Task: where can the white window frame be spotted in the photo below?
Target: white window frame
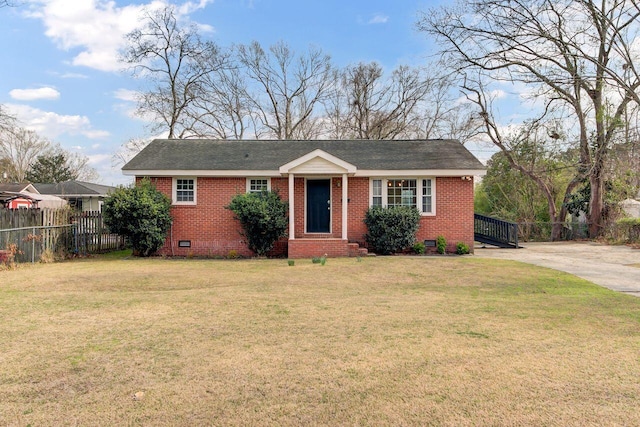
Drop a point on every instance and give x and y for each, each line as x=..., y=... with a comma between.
x=419, y=189
x=254, y=178
x=174, y=191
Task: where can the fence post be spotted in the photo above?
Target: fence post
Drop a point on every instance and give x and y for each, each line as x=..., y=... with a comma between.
x=33, y=245
x=74, y=227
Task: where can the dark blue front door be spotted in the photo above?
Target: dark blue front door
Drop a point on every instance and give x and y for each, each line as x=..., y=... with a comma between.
x=318, y=205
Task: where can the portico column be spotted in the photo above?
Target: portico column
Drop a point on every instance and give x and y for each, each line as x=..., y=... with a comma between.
x=345, y=205
x=292, y=219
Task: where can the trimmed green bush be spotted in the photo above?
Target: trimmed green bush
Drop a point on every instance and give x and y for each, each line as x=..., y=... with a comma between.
x=441, y=245
x=462, y=248
x=263, y=217
x=419, y=248
x=141, y=213
x=391, y=230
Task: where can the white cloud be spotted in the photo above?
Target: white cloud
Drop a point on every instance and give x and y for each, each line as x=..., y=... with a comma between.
x=52, y=125
x=190, y=6
x=128, y=107
x=74, y=76
x=95, y=134
x=126, y=95
x=205, y=28
x=497, y=94
x=34, y=94
x=378, y=19
x=97, y=159
x=96, y=27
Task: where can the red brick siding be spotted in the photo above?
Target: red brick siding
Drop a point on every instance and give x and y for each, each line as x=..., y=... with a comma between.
x=213, y=231
x=208, y=225
x=454, y=214
x=358, y=206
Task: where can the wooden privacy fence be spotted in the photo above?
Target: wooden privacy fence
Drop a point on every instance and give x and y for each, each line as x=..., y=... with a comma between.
x=30, y=233
x=92, y=236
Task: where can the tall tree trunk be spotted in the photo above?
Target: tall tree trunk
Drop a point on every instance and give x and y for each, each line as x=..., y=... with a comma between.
x=596, y=204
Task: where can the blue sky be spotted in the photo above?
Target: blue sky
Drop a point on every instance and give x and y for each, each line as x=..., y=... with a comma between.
x=60, y=74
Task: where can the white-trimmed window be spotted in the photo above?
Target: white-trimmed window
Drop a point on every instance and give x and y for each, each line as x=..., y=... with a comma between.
x=376, y=192
x=427, y=196
x=184, y=191
x=417, y=192
x=257, y=185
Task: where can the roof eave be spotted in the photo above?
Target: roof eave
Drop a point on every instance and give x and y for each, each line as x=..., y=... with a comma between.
x=276, y=173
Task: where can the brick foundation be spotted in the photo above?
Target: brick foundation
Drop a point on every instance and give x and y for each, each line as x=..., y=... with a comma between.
x=309, y=248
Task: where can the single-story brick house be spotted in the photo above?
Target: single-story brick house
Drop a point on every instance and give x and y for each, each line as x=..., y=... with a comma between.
x=333, y=183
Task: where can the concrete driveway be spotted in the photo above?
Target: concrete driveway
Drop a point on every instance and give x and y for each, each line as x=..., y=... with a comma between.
x=613, y=267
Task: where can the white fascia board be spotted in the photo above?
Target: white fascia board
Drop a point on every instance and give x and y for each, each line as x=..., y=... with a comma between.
x=204, y=173
x=348, y=167
x=30, y=189
x=420, y=172
x=274, y=174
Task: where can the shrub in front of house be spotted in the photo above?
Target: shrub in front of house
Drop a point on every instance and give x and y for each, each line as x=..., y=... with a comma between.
x=141, y=213
x=441, y=245
x=391, y=230
x=419, y=248
x=263, y=217
x=462, y=248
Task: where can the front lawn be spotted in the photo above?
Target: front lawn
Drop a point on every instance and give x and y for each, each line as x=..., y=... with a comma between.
x=380, y=341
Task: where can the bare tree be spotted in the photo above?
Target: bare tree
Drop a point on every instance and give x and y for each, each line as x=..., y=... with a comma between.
x=7, y=121
x=379, y=109
x=443, y=114
x=175, y=61
x=222, y=107
x=541, y=139
x=128, y=150
x=20, y=147
x=411, y=103
x=78, y=164
x=287, y=88
x=575, y=56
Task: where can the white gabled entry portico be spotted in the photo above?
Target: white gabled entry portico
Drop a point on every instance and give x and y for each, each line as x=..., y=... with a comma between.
x=320, y=165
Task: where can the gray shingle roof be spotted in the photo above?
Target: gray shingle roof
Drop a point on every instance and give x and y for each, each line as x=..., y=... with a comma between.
x=74, y=188
x=202, y=154
x=15, y=187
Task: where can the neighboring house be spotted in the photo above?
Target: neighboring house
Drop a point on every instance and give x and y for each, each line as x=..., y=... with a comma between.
x=24, y=195
x=83, y=196
x=333, y=184
x=18, y=195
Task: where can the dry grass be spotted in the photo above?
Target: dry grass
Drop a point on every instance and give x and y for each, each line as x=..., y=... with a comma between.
x=385, y=341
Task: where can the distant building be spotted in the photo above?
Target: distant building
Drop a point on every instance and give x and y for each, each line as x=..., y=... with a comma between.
x=83, y=196
x=25, y=195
